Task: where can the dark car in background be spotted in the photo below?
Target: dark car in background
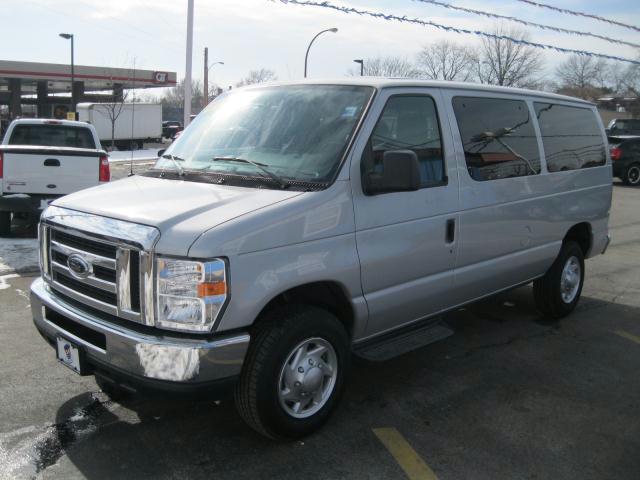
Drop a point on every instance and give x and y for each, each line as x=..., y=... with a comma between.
x=625, y=156
x=170, y=128
x=624, y=126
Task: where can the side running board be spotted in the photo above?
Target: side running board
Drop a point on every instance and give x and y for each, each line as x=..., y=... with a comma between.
x=402, y=341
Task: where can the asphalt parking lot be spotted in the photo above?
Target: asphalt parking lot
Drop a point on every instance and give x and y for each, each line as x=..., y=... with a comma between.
x=509, y=396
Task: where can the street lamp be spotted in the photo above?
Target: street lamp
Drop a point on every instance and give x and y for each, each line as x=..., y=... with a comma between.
x=207, y=67
x=361, y=62
x=69, y=36
x=306, y=57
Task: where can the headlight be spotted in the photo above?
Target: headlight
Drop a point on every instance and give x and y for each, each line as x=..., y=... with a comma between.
x=190, y=294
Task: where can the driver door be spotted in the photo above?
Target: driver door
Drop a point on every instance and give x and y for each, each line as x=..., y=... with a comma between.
x=407, y=241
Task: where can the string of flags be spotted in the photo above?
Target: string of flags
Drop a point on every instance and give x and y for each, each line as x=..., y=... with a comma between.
x=581, y=14
x=429, y=23
x=530, y=24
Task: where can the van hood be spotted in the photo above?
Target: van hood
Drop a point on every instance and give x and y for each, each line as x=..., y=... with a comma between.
x=181, y=210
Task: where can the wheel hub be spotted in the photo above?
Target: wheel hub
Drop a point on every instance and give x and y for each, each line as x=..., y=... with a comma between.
x=307, y=378
x=570, y=280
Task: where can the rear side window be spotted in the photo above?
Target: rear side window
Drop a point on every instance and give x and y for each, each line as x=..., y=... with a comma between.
x=571, y=137
x=52, y=136
x=409, y=122
x=498, y=137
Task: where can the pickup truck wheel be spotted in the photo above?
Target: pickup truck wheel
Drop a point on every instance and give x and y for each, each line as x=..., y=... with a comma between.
x=5, y=224
x=631, y=175
x=557, y=293
x=294, y=372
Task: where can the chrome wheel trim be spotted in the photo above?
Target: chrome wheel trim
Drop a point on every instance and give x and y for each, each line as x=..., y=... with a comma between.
x=570, y=279
x=633, y=175
x=307, y=377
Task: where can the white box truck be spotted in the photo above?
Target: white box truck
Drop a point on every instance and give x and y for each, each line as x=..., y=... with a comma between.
x=135, y=123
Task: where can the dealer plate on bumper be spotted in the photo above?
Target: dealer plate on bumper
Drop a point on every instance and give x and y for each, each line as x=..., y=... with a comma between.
x=69, y=355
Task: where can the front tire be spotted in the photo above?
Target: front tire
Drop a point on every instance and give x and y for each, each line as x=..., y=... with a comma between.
x=294, y=372
x=558, y=292
x=631, y=175
x=5, y=224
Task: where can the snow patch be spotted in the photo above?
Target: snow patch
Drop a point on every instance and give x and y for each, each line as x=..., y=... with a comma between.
x=18, y=255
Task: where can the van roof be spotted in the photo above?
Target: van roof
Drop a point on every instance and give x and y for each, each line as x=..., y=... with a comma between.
x=382, y=82
x=49, y=121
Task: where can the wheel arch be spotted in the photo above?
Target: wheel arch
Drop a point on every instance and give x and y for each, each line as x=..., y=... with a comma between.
x=329, y=295
x=582, y=234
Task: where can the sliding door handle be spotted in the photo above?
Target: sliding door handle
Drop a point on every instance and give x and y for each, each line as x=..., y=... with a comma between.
x=451, y=230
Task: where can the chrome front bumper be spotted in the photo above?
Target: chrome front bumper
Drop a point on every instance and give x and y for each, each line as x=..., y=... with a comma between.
x=165, y=358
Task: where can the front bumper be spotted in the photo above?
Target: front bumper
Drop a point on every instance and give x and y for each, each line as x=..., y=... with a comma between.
x=141, y=360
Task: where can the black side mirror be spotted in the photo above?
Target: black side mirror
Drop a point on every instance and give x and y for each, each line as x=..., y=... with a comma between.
x=400, y=173
x=161, y=152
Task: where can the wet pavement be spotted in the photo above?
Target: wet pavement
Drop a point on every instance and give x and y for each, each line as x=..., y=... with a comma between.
x=510, y=395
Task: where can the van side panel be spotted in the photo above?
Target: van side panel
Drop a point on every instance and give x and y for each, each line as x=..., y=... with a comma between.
x=512, y=228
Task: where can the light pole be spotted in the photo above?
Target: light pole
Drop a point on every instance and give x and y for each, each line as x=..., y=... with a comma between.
x=207, y=67
x=361, y=62
x=187, y=69
x=69, y=36
x=306, y=57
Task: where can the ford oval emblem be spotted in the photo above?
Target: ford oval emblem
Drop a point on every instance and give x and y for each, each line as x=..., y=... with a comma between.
x=78, y=266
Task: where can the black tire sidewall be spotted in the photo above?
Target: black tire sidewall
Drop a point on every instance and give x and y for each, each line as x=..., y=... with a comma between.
x=317, y=323
x=5, y=223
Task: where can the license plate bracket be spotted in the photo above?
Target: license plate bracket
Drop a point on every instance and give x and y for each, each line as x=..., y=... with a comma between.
x=70, y=355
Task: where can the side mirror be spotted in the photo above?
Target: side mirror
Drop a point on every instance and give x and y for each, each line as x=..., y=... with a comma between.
x=400, y=173
x=161, y=152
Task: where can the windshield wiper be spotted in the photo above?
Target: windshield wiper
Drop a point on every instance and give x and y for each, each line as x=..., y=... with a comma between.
x=175, y=159
x=258, y=165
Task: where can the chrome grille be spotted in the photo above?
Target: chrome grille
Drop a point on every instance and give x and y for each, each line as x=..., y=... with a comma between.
x=111, y=284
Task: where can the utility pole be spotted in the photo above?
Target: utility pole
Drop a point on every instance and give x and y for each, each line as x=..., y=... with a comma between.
x=187, y=76
x=205, y=97
x=361, y=62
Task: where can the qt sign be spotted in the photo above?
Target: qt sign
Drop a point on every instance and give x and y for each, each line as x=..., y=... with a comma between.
x=160, y=77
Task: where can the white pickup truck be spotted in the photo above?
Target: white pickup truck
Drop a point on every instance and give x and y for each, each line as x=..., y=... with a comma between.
x=41, y=160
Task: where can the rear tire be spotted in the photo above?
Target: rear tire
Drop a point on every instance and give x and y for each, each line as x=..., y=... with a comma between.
x=5, y=224
x=631, y=175
x=294, y=372
x=558, y=292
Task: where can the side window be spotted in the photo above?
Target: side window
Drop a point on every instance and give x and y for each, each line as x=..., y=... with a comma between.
x=409, y=122
x=571, y=137
x=498, y=137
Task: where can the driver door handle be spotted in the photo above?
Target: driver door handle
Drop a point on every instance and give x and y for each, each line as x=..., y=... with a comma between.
x=451, y=230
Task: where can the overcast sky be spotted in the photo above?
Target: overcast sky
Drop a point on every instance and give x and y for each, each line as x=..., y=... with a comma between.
x=249, y=34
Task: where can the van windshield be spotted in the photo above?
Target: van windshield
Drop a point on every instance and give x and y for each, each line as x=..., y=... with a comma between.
x=296, y=132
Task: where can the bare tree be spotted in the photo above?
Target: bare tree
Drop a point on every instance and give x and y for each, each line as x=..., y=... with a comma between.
x=581, y=72
x=500, y=61
x=388, y=67
x=258, y=76
x=113, y=108
x=446, y=60
x=174, y=97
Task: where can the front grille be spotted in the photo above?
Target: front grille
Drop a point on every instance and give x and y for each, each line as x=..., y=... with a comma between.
x=85, y=289
x=108, y=278
x=84, y=244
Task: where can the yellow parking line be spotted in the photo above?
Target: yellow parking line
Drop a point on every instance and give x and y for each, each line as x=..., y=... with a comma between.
x=628, y=336
x=404, y=454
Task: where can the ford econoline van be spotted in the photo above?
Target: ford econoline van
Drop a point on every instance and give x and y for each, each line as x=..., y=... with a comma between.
x=294, y=225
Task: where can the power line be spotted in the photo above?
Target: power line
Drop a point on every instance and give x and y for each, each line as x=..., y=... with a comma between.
x=428, y=23
x=581, y=14
x=530, y=24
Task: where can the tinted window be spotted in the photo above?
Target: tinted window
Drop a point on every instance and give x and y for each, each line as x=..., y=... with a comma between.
x=52, y=136
x=409, y=123
x=571, y=137
x=498, y=137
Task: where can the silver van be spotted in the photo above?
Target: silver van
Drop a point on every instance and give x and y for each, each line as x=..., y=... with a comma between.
x=294, y=225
